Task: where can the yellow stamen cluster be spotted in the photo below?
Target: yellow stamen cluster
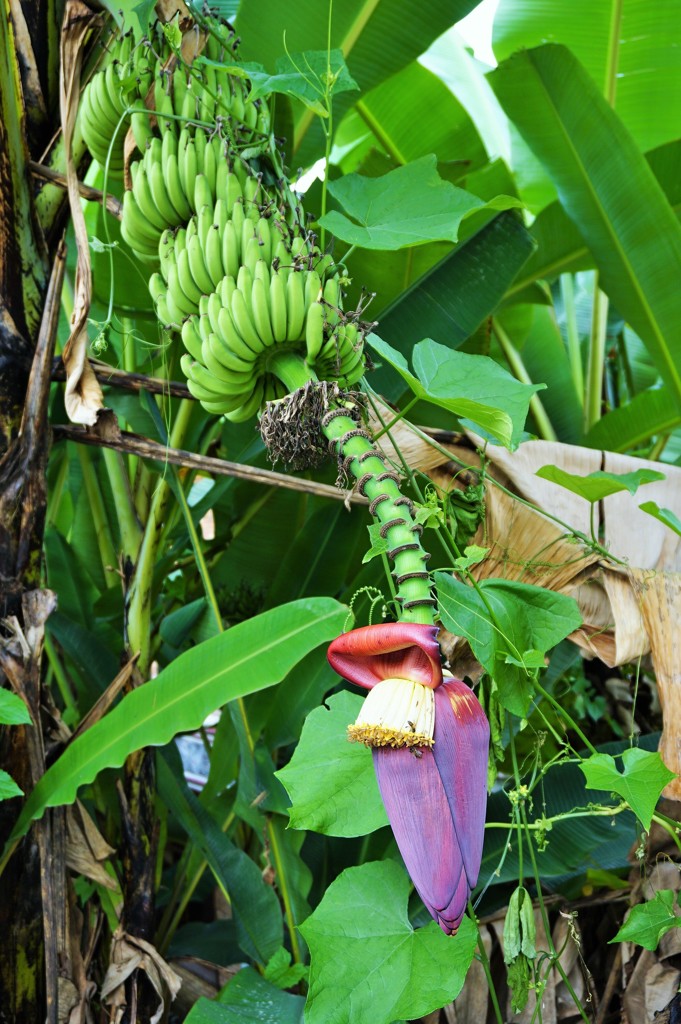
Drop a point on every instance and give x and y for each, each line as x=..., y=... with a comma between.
x=396, y=713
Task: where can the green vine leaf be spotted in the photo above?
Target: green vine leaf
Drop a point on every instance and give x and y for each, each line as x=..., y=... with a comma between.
x=510, y=627
x=411, y=205
x=310, y=77
x=470, y=386
x=664, y=515
x=472, y=555
x=281, y=972
x=379, y=545
x=648, y=922
x=330, y=781
x=430, y=514
x=644, y=777
x=596, y=486
x=368, y=963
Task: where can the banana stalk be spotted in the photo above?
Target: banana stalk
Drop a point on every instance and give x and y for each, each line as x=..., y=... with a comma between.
x=359, y=456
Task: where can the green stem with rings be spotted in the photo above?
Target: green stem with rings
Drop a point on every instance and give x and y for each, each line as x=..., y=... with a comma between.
x=392, y=510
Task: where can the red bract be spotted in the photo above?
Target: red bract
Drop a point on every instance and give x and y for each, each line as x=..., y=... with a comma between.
x=435, y=797
x=370, y=654
x=436, y=803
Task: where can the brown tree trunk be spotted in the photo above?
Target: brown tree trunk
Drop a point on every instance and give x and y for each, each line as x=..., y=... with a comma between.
x=24, y=269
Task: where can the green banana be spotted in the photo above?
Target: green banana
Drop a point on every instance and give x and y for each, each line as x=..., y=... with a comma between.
x=237, y=369
x=187, y=166
x=313, y=287
x=264, y=235
x=191, y=338
x=176, y=194
x=230, y=250
x=261, y=311
x=332, y=300
x=226, y=405
x=145, y=200
x=228, y=333
x=314, y=331
x=231, y=383
x=250, y=254
x=213, y=307
x=210, y=168
x=212, y=253
x=295, y=306
x=278, y=305
x=220, y=215
x=135, y=227
x=159, y=192
x=181, y=300
x=250, y=408
x=177, y=316
x=243, y=322
x=204, y=222
x=203, y=195
x=140, y=122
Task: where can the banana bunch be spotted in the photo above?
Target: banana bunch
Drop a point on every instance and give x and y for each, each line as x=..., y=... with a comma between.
x=104, y=102
x=220, y=240
x=180, y=176
x=233, y=269
x=255, y=336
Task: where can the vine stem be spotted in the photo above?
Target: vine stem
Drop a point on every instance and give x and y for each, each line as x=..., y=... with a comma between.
x=521, y=815
x=484, y=960
x=569, y=530
x=662, y=821
x=555, y=959
x=516, y=816
x=562, y=713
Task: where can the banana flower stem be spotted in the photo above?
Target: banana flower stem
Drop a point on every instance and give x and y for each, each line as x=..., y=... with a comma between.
x=359, y=456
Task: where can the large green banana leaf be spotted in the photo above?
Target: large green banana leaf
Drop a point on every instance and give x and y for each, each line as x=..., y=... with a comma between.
x=377, y=37
x=629, y=47
x=607, y=189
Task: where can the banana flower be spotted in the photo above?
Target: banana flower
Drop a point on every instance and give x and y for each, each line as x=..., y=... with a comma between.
x=429, y=739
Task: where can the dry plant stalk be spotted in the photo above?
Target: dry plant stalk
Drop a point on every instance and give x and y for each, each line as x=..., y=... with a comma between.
x=631, y=607
x=83, y=395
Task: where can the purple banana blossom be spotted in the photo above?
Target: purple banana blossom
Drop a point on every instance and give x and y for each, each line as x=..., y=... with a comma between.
x=434, y=793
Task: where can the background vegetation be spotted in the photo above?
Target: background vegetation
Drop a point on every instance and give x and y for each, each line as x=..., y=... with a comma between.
x=156, y=569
